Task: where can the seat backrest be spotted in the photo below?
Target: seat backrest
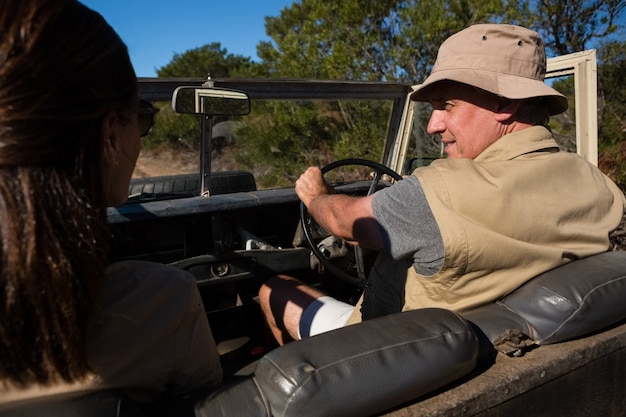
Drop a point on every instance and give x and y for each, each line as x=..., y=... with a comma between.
x=571, y=301
x=382, y=362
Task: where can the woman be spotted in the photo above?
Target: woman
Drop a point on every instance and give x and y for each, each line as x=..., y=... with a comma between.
x=70, y=127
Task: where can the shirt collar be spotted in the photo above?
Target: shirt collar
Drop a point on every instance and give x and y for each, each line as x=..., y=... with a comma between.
x=513, y=145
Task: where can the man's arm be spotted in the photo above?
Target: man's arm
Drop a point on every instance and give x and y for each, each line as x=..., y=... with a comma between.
x=349, y=218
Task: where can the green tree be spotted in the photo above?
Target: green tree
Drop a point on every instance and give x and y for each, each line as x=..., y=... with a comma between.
x=366, y=39
x=568, y=26
x=425, y=24
x=331, y=40
x=612, y=93
x=612, y=110
x=282, y=138
x=208, y=59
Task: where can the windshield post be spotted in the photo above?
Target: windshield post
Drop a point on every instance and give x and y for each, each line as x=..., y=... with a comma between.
x=205, y=154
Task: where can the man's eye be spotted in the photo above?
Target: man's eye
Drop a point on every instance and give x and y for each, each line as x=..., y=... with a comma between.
x=442, y=106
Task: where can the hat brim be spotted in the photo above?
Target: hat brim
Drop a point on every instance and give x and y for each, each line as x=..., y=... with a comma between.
x=504, y=85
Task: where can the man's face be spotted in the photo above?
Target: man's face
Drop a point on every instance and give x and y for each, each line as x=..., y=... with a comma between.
x=465, y=119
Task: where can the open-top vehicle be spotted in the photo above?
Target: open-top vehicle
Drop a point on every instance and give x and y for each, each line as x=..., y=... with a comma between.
x=556, y=346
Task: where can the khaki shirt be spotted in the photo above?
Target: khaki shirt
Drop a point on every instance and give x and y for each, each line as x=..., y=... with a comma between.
x=520, y=208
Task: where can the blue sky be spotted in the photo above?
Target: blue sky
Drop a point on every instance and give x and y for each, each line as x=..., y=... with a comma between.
x=155, y=30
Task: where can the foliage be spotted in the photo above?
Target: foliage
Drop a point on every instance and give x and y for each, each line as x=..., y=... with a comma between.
x=612, y=88
x=425, y=24
x=366, y=40
x=172, y=131
x=612, y=110
x=330, y=40
x=568, y=26
x=399, y=40
x=208, y=59
x=564, y=125
x=281, y=138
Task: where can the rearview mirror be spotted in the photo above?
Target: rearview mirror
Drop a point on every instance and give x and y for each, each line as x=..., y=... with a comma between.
x=210, y=101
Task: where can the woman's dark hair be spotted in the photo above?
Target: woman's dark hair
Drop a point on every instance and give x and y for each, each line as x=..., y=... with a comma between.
x=62, y=69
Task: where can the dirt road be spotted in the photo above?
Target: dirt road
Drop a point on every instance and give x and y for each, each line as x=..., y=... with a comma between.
x=160, y=163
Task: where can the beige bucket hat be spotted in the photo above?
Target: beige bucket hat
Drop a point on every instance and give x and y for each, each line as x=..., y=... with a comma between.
x=506, y=60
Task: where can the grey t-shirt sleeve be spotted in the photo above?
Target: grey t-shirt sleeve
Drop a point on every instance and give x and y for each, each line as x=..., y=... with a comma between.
x=408, y=227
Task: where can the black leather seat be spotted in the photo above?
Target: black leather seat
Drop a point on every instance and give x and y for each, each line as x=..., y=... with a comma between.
x=568, y=302
x=363, y=369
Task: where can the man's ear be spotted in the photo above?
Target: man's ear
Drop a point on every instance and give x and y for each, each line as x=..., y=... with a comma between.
x=506, y=109
x=109, y=137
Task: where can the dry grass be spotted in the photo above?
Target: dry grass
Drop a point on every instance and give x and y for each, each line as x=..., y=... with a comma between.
x=156, y=163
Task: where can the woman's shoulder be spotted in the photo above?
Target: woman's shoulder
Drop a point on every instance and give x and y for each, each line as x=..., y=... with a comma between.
x=144, y=273
x=142, y=287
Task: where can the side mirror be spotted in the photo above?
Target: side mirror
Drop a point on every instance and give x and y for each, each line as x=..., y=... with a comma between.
x=210, y=101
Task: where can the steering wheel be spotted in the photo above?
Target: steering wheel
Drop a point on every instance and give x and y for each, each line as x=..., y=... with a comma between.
x=307, y=221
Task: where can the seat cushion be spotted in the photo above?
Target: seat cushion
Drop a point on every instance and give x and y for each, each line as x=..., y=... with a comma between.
x=383, y=362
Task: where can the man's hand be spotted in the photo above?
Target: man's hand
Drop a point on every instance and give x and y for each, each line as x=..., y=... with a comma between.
x=311, y=185
x=346, y=217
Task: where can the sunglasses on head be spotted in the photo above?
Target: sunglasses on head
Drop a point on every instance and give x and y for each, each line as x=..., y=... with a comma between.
x=145, y=116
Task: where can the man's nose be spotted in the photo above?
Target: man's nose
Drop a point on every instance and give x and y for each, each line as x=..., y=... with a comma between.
x=435, y=123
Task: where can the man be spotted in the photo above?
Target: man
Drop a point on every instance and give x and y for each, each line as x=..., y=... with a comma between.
x=505, y=206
